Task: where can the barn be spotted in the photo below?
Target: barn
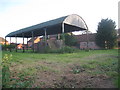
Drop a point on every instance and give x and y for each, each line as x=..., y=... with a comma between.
x=60, y=25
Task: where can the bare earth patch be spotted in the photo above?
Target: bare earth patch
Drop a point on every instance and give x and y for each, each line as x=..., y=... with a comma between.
x=68, y=79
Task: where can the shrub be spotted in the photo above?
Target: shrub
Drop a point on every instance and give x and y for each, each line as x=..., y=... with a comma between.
x=70, y=40
x=68, y=49
x=8, y=47
x=65, y=49
x=5, y=70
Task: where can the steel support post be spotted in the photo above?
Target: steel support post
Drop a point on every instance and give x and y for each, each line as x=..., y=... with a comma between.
x=23, y=44
x=45, y=37
x=27, y=43
x=32, y=41
x=10, y=44
x=16, y=43
x=87, y=40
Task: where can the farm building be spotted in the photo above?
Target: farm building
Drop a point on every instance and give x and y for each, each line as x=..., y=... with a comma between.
x=60, y=25
x=82, y=41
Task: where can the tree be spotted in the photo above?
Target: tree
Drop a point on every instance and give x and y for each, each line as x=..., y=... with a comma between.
x=70, y=40
x=106, y=34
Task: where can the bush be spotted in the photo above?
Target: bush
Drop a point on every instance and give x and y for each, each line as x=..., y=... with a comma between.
x=70, y=40
x=8, y=47
x=65, y=49
x=68, y=49
x=5, y=70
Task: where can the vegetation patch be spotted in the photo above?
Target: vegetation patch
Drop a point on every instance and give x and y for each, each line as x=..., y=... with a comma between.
x=96, y=69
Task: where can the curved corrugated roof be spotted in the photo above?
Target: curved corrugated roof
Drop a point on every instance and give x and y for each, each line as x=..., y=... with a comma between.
x=71, y=23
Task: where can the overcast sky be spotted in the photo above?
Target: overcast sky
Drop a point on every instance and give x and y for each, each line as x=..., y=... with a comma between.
x=18, y=14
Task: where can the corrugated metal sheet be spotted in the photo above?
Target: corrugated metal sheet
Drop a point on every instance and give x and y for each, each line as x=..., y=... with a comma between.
x=72, y=23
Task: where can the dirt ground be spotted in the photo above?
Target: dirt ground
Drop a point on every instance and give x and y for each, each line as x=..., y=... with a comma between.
x=67, y=79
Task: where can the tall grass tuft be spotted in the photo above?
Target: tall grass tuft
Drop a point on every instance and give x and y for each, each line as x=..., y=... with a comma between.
x=5, y=70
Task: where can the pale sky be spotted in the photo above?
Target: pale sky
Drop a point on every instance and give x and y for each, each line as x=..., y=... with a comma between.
x=18, y=14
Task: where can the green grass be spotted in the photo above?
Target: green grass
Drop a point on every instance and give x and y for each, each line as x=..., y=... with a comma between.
x=24, y=66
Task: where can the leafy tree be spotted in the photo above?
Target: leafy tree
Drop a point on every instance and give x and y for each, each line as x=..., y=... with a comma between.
x=70, y=40
x=106, y=34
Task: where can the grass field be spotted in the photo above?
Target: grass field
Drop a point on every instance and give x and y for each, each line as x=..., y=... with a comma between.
x=93, y=69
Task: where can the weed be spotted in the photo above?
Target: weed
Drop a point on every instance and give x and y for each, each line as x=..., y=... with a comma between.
x=77, y=69
x=5, y=70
